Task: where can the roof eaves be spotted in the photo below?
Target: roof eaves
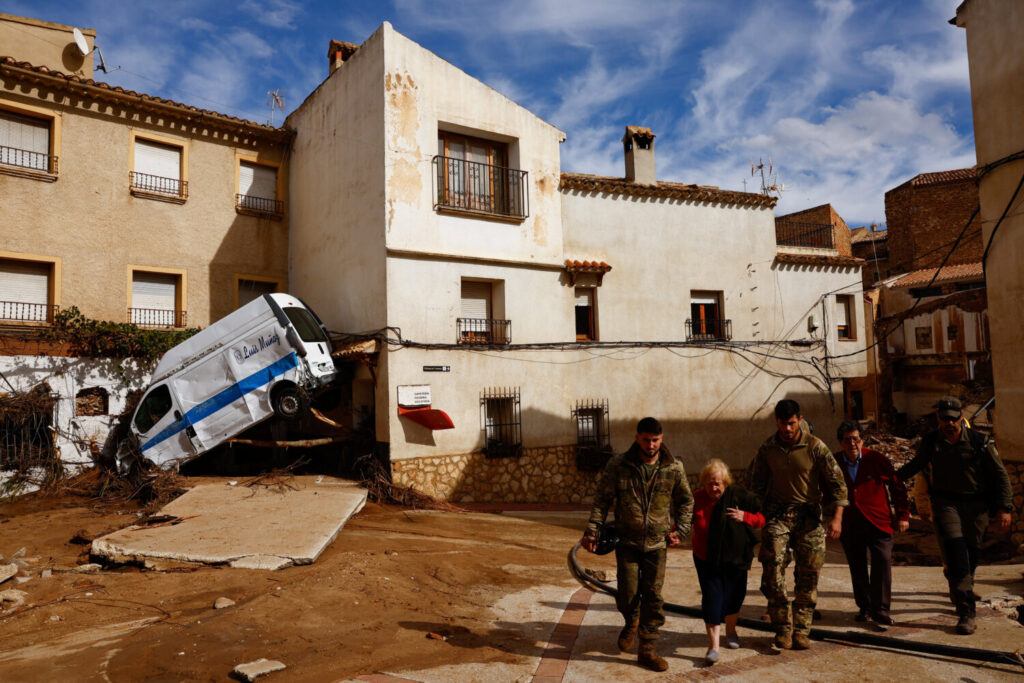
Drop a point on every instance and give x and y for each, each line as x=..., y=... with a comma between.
x=688, y=192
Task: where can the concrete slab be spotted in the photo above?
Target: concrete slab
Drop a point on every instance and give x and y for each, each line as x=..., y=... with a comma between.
x=256, y=527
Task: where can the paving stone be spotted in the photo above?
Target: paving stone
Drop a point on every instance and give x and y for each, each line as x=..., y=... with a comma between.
x=250, y=671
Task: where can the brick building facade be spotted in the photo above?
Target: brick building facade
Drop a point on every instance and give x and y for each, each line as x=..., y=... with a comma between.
x=803, y=227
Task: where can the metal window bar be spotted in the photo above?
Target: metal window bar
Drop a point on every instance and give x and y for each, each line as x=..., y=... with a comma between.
x=273, y=207
x=501, y=414
x=593, y=445
x=23, y=158
x=483, y=331
x=154, y=184
x=26, y=434
x=24, y=312
x=480, y=188
x=157, y=317
x=708, y=329
x=795, y=234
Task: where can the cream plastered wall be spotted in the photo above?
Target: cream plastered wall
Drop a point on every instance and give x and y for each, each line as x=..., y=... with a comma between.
x=44, y=43
x=996, y=65
x=424, y=93
x=89, y=219
x=337, y=189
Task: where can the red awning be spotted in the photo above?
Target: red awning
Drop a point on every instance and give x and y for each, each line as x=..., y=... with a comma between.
x=428, y=417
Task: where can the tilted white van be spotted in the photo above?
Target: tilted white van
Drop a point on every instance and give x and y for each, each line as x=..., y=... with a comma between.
x=267, y=357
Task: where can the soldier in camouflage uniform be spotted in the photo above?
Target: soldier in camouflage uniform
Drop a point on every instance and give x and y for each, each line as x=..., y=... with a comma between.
x=653, y=506
x=794, y=473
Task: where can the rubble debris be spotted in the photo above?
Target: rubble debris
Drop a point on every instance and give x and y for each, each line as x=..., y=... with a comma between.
x=221, y=603
x=46, y=574
x=598, y=574
x=7, y=571
x=436, y=636
x=87, y=568
x=271, y=562
x=82, y=537
x=56, y=618
x=250, y=671
x=11, y=599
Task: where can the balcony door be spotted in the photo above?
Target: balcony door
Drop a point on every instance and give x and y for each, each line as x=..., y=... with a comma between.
x=706, y=314
x=472, y=172
x=24, y=290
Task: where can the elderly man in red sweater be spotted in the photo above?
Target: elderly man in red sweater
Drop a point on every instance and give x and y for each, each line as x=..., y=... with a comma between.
x=871, y=484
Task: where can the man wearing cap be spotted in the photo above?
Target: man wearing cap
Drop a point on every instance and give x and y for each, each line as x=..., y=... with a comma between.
x=647, y=488
x=968, y=484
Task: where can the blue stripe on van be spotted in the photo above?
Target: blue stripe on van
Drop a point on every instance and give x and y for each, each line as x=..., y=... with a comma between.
x=225, y=398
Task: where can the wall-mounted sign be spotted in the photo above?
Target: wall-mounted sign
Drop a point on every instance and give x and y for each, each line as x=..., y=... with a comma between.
x=414, y=395
x=437, y=368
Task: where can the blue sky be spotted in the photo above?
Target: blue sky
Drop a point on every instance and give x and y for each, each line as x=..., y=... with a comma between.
x=848, y=98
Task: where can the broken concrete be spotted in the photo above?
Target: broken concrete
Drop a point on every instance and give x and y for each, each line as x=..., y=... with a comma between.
x=254, y=527
x=221, y=603
x=7, y=571
x=11, y=599
x=250, y=671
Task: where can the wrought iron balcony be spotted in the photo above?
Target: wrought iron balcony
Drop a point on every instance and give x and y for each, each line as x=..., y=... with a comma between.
x=32, y=161
x=708, y=329
x=154, y=185
x=473, y=187
x=29, y=313
x=484, y=331
x=157, y=317
x=259, y=206
x=812, y=235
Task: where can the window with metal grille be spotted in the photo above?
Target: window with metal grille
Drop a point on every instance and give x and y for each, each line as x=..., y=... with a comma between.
x=156, y=299
x=706, y=321
x=593, y=445
x=501, y=413
x=26, y=434
x=158, y=171
x=257, y=190
x=26, y=290
x=25, y=143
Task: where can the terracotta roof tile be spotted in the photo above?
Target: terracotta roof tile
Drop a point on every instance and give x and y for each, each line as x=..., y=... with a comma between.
x=962, y=272
x=587, y=266
x=818, y=259
x=864, y=235
x=585, y=182
x=13, y=66
x=944, y=176
x=639, y=131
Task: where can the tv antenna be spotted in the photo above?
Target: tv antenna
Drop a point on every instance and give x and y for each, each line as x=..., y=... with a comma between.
x=771, y=186
x=274, y=99
x=83, y=47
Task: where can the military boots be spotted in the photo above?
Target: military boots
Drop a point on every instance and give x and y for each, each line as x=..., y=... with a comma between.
x=627, y=636
x=649, y=659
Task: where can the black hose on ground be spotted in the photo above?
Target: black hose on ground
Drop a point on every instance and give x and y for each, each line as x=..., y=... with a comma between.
x=851, y=637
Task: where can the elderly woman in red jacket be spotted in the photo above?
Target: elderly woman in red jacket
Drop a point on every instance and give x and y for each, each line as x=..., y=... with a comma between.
x=724, y=516
x=871, y=484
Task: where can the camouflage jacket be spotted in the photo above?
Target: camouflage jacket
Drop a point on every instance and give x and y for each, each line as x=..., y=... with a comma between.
x=803, y=473
x=644, y=514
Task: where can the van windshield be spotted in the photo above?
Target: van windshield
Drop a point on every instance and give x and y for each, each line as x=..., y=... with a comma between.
x=153, y=407
x=305, y=325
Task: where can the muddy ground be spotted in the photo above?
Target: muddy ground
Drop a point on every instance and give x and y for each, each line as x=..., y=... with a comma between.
x=392, y=577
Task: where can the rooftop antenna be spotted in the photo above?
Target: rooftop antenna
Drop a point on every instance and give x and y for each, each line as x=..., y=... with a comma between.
x=83, y=47
x=771, y=186
x=274, y=99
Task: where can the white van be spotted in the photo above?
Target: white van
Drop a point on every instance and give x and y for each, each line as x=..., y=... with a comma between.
x=265, y=358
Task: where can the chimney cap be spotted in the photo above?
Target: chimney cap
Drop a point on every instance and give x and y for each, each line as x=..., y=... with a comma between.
x=346, y=49
x=642, y=132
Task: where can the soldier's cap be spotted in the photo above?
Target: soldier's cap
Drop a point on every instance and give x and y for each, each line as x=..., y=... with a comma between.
x=949, y=406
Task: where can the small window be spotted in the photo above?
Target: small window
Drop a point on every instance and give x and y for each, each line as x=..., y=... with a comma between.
x=25, y=143
x=156, y=404
x=706, y=322
x=952, y=332
x=923, y=337
x=477, y=322
x=26, y=290
x=586, y=314
x=257, y=190
x=502, y=417
x=158, y=170
x=92, y=401
x=845, y=329
x=157, y=299
x=593, y=446
x=250, y=290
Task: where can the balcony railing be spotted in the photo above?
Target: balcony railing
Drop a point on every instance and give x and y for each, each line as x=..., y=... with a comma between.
x=262, y=206
x=473, y=187
x=33, y=161
x=708, y=329
x=813, y=235
x=484, y=331
x=157, y=185
x=31, y=313
x=157, y=317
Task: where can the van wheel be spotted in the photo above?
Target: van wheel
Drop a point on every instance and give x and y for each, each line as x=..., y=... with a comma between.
x=289, y=402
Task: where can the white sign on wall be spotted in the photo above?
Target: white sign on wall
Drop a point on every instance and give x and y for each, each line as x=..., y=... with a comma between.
x=414, y=395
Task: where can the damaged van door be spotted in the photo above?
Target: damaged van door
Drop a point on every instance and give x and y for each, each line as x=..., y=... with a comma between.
x=266, y=358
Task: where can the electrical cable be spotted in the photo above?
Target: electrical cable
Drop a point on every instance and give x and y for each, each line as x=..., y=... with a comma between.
x=995, y=228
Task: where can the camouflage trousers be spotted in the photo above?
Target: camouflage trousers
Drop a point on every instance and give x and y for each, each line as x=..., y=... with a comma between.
x=795, y=528
x=640, y=577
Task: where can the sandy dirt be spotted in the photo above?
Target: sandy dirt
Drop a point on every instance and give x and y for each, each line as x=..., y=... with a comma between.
x=392, y=577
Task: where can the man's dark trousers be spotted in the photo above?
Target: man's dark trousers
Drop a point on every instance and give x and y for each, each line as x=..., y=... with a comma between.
x=861, y=538
x=960, y=525
x=640, y=576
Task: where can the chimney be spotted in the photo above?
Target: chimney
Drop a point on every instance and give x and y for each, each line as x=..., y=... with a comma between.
x=638, y=143
x=338, y=52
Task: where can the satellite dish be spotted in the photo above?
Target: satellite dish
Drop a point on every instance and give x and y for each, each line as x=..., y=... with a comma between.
x=83, y=46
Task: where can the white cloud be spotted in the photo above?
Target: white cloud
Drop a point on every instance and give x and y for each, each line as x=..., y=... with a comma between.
x=274, y=13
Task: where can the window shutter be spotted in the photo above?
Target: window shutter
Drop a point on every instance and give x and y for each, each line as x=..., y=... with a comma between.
x=163, y=161
x=25, y=282
x=250, y=290
x=703, y=299
x=154, y=290
x=255, y=180
x=24, y=134
x=842, y=314
x=476, y=299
